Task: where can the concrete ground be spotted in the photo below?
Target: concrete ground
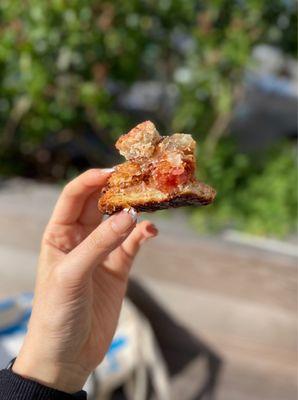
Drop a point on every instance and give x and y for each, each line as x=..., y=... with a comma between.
x=241, y=301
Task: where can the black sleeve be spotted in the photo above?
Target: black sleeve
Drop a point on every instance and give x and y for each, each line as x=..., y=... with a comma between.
x=14, y=387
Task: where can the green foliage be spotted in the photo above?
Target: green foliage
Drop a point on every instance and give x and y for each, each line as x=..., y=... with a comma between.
x=60, y=55
x=58, y=58
x=225, y=32
x=257, y=194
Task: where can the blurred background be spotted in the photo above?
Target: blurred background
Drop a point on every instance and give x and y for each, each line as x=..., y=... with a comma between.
x=76, y=75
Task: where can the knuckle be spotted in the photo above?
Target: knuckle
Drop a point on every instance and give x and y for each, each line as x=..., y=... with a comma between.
x=59, y=275
x=63, y=279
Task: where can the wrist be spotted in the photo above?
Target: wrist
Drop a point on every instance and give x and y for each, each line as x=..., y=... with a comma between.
x=67, y=378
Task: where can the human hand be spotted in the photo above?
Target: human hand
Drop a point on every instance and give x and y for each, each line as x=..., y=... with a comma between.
x=81, y=281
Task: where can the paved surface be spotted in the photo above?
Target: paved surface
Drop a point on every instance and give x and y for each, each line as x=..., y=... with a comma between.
x=241, y=301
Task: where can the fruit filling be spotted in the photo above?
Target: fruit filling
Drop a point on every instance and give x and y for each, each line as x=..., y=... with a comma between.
x=162, y=163
x=167, y=176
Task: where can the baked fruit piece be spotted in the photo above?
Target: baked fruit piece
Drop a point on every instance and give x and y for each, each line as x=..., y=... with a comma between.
x=159, y=173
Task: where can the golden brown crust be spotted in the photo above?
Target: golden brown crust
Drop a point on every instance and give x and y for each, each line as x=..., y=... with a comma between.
x=149, y=199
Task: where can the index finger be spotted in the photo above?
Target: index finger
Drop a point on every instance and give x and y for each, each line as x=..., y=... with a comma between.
x=74, y=195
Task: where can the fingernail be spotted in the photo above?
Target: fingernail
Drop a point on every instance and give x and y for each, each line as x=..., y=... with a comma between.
x=124, y=220
x=152, y=230
x=108, y=170
x=132, y=212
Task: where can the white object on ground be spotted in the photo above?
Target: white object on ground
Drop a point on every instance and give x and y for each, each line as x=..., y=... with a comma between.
x=131, y=358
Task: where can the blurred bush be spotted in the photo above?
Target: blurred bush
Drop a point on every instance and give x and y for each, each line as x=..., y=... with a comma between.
x=257, y=194
x=63, y=65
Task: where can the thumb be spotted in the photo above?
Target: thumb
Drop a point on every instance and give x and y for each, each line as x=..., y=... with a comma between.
x=104, y=239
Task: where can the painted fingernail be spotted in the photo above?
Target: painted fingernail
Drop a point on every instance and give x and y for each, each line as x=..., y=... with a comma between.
x=124, y=220
x=152, y=229
x=108, y=170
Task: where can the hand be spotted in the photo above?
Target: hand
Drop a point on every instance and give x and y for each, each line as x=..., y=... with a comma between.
x=82, y=276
